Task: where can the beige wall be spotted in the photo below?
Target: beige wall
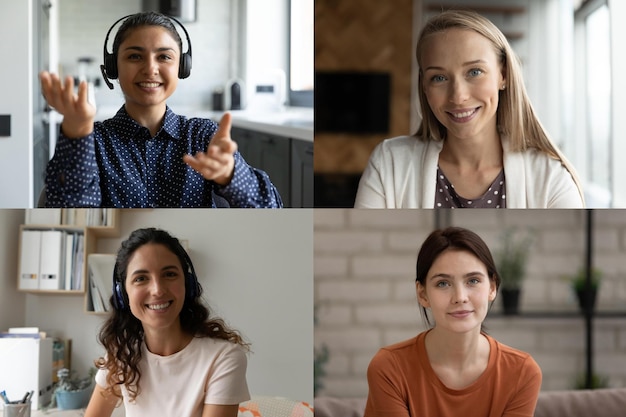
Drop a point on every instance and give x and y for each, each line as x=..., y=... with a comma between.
x=11, y=302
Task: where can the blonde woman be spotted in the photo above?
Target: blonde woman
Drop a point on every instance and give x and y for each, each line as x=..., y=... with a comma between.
x=480, y=143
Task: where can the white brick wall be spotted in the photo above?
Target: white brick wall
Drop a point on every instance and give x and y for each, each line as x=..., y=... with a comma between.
x=365, y=292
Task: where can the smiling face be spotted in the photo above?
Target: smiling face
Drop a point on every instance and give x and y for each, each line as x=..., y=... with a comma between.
x=462, y=78
x=155, y=284
x=458, y=291
x=147, y=62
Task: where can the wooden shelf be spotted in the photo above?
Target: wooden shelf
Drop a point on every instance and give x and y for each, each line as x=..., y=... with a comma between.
x=91, y=235
x=53, y=292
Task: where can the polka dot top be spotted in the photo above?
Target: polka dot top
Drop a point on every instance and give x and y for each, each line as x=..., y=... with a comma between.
x=120, y=165
x=446, y=196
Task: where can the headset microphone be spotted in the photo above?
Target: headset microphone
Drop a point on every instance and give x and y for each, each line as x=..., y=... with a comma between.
x=106, y=79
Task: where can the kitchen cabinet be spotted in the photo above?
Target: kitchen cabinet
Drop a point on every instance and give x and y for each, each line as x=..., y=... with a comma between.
x=301, y=173
x=288, y=162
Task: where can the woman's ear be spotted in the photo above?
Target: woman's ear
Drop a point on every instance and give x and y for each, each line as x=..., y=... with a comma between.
x=422, y=298
x=503, y=80
x=493, y=290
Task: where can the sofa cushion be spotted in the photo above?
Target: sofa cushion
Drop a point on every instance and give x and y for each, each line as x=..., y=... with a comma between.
x=339, y=407
x=583, y=403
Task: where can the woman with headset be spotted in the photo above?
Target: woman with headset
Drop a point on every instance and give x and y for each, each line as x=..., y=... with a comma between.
x=145, y=156
x=165, y=355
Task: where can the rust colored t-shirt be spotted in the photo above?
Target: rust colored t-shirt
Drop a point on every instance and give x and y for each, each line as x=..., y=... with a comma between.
x=402, y=383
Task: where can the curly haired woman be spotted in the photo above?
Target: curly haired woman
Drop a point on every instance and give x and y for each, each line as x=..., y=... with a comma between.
x=165, y=355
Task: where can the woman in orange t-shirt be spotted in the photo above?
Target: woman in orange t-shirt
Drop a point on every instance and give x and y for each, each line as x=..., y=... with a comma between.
x=454, y=368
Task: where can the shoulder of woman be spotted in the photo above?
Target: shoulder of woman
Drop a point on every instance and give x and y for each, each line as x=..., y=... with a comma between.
x=216, y=344
x=514, y=359
x=533, y=157
x=403, y=147
x=406, y=348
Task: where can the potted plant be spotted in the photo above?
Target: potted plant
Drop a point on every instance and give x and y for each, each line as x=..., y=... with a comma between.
x=72, y=393
x=320, y=358
x=598, y=381
x=586, y=300
x=511, y=261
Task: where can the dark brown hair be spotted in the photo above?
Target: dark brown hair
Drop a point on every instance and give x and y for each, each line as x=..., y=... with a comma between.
x=122, y=334
x=457, y=238
x=145, y=19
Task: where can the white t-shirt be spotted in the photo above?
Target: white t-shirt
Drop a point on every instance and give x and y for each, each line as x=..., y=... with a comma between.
x=206, y=371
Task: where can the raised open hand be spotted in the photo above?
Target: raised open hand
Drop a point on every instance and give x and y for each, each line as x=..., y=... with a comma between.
x=218, y=162
x=78, y=113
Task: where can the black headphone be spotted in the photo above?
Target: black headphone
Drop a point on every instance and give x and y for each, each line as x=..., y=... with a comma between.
x=192, y=286
x=109, y=69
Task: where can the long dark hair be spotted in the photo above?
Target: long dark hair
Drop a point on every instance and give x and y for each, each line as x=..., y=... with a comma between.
x=122, y=334
x=453, y=238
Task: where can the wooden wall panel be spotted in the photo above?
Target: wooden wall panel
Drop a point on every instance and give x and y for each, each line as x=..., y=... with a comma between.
x=364, y=35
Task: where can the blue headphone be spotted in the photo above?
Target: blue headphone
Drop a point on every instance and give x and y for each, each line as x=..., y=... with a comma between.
x=192, y=286
x=109, y=69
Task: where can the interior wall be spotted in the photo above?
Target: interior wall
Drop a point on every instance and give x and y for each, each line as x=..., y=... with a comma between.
x=15, y=101
x=364, y=35
x=12, y=312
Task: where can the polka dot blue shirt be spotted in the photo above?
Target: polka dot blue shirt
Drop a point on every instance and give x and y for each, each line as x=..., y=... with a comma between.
x=120, y=165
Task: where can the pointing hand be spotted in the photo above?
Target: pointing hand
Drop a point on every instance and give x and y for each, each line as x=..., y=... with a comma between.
x=217, y=163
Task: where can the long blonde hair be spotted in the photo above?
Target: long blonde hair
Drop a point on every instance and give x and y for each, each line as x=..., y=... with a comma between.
x=515, y=117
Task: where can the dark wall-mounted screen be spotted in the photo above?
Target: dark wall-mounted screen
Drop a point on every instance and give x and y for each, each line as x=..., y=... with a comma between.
x=352, y=102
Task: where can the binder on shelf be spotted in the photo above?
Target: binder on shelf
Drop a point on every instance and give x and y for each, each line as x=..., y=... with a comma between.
x=51, y=262
x=70, y=239
x=29, y=260
x=100, y=272
x=77, y=276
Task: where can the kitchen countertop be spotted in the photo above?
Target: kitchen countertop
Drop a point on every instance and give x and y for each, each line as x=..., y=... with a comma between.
x=293, y=122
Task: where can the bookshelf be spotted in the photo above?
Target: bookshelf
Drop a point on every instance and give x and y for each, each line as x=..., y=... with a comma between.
x=81, y=224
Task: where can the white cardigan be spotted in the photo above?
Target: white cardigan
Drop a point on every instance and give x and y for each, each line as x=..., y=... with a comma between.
x=402, y=172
